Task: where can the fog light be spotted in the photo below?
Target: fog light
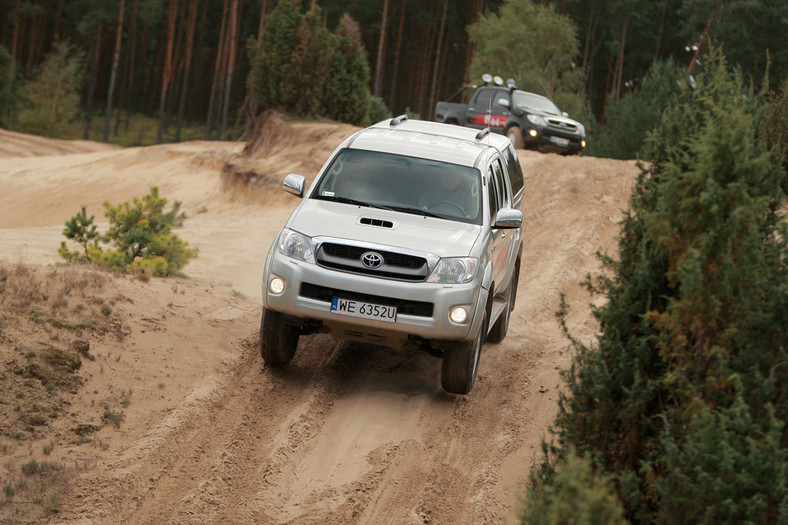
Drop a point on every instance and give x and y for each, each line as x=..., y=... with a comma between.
x=276, y=285
x=458, y=314
x=583, y=143
x=533, y=132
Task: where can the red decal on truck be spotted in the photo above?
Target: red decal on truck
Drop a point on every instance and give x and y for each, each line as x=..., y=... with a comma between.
x=494, y=121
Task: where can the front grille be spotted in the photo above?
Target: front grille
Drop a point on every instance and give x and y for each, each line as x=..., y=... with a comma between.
x=404, y=307
x=395, y=265
x=560, y=124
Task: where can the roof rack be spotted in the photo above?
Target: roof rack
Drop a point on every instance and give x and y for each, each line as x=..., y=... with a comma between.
x=396, y=121
x=483, y=133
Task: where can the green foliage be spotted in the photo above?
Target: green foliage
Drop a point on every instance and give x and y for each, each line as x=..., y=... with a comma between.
x=682, y=399
x=52, y=97
x=140, y=233
x=304, y=69
x=378, y=110
x=628, y=121
x=571, y=493
x=9, y=88
x=530, y=43
x=777, y=124
x=80, y=229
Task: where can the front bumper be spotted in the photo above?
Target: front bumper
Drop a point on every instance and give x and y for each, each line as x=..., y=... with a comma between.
x=548, y=138
x=423, y=308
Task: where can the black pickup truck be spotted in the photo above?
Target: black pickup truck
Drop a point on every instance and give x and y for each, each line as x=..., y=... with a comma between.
x=529, y=120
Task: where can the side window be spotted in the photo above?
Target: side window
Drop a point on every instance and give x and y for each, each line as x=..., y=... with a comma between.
x=483, y=99
x=515, y=171
x=492, y=193
x=502, y=189
x=501, y=96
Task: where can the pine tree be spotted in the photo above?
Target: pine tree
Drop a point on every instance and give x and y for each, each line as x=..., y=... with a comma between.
x=682, y=399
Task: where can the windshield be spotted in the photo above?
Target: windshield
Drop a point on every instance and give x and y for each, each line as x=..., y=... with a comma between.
x=525, y=100
x=403, y=184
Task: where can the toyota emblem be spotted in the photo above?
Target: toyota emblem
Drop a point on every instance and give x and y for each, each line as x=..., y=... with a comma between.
x=372, y=260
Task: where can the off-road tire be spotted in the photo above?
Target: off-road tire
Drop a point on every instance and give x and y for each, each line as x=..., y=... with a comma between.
x=461, y=362
x=278, y=341
x=515, y=136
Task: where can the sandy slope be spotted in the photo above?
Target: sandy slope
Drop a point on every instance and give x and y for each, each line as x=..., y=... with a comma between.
x=348, y=433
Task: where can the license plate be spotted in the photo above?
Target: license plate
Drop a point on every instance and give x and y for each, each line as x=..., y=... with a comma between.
x=364, y=310
x=559, y=141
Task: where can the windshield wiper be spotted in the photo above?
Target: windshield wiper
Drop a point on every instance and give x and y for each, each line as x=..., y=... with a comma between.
x=347, y=200
x=402, y=209
x=414, y=211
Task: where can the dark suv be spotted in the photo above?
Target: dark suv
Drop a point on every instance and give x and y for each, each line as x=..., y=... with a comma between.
x=528, y=119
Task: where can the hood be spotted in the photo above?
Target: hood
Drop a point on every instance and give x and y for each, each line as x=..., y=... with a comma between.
x=319, y=218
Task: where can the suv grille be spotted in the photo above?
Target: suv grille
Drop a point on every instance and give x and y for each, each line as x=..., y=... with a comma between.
x=560, y=124
x=404, y=307
x=394, y=265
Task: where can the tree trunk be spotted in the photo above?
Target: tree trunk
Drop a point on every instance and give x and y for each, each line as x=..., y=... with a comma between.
x=131, y=45
x=434, y=89
x=397, y=52
x=92, y=83
x=702, y=38
x=617, y=79
x=381, y=46
x=233, y=45
x=261, y=24
x=166, y=76
x=114, y=73
x=477, y=8
x=190, y=24
x=216, y=72
x=15, y=34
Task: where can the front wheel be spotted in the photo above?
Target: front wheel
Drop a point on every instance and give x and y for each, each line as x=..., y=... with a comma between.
x=278, y=341
x=461, y=363
x=515, y=136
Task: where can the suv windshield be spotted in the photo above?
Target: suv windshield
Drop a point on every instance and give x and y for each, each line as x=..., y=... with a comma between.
x=525, y=100
x=404, y=184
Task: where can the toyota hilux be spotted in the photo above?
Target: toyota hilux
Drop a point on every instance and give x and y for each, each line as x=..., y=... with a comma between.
x=410, y=235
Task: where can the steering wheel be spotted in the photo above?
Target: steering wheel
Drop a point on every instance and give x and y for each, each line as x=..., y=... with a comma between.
x=454, y=205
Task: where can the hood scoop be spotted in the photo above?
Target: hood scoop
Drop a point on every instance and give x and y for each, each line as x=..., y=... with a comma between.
x=381, y=223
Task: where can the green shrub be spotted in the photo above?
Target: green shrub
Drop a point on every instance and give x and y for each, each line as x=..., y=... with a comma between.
x=306, y=70
x=571, y=493
x=681, y=400
x=53, y=96
x=628, y=120
x=378, y=110
x=140, y=235
x=9, y=88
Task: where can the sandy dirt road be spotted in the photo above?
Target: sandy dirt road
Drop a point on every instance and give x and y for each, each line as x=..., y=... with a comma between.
x=348, y=433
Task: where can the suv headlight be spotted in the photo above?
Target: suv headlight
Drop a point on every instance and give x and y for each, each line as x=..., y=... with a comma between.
x=537, y=120
x=296, y=245
x=454, y=270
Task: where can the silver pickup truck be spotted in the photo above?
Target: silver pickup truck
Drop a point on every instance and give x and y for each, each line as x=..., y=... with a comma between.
x=410, y=235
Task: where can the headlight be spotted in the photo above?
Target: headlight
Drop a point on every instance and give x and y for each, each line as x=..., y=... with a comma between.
x=537, y=120
x=454, y=270
x=296, y=245
x=581, y=129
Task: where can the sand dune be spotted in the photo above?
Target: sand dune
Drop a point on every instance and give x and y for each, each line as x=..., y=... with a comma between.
x=348, y=433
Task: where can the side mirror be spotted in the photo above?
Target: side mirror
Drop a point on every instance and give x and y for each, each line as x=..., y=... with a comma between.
x=503, y=102
x=564, y=113
x=294, y=184
x=508, y=218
